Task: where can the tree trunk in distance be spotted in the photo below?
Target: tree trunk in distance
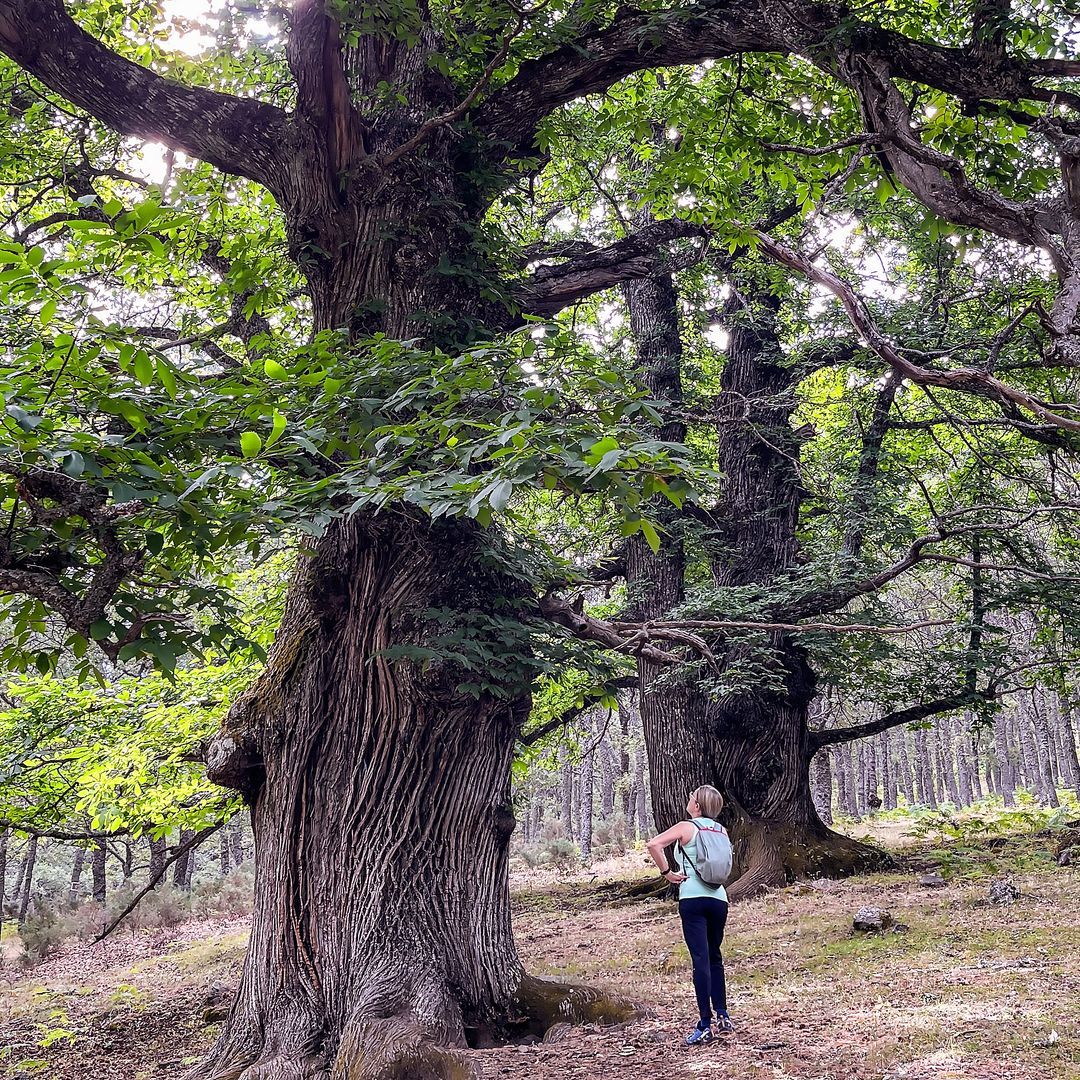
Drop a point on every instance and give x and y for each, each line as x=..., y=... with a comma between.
x=626, y=783
x=608, y=763
x=873, y=796
x=641, y=812
x=823, y=785
x=128, y=860
x=180, y=867
x=97, y=865
x=888, y=770
x=75, y=883
x=16, y=888
x=157, y=860
x=1043, y=756
x=566, y=808
x=849, y=756
x=903, y=765
x=925, y=770
x=1069, y=766
x=1068, y=743
x=1029, y=758
x=585, y=790
x=235, y=829
x=963, y=770
x=29, y=861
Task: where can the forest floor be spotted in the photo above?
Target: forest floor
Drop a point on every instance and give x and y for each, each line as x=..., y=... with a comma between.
x=969, y=991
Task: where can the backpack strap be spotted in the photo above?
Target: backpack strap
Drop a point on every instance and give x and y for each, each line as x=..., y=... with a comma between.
x=682, y=850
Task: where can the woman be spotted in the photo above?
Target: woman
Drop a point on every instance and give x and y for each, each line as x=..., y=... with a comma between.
x=702, y=910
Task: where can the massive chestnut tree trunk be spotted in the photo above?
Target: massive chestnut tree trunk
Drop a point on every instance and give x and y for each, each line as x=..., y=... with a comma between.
x=381, y=810
x=381, y=793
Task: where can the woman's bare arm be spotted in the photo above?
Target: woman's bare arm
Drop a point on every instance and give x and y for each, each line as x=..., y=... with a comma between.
x=682, y=833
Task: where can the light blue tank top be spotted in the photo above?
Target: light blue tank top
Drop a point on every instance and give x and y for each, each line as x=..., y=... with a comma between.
x=693, y=886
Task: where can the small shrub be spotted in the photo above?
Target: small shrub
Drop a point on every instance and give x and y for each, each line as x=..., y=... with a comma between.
x=86, y=921
x=611, y=838
x=231, y=895
x=164, y=906
x=532, y=855
x=42, y=933
x=562, y=853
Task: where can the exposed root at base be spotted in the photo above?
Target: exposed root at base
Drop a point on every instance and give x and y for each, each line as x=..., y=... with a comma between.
x=390, y=1049
x=396, y=1049
x=650, y=889
x=547, y=1002
x=399, y=1048
x=773, y=854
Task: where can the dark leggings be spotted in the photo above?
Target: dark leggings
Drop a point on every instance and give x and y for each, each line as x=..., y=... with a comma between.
x=703, y=919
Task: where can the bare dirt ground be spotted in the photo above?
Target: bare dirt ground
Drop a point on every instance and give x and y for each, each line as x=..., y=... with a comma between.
x=970, y=991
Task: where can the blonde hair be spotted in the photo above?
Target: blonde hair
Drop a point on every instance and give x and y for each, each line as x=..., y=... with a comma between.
x=710, y=800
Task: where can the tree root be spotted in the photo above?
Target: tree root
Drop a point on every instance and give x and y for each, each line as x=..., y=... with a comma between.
x=396, y=1049
x=546, y=1002
x=402, y=1047
x=652, y=888
x=772, y=854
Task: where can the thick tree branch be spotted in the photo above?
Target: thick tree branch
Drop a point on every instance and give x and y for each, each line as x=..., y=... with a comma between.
x=911, y=715
x=590, y=269
x=774, y=627
x=50, y=497
x=603, y=633
x=323, y=97
x=936, y=179
x=238, y=135
x=634, y=40
x=829, y=35
x=965, y=380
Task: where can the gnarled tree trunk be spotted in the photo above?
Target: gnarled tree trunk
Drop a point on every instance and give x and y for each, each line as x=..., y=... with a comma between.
x=753, y=743
x=381, y=794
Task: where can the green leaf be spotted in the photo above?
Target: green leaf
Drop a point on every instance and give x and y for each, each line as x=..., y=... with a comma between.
x=144, y=367
x=74, y=464
x=274, y=370
x=166, y=377
x=250, y=444
x=276, y=429
x=595, y=454
x=652, y=537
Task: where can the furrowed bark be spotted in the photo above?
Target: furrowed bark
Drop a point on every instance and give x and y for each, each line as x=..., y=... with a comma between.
x=382, y=815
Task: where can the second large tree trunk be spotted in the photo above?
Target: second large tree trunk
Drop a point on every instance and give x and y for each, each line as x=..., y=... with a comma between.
x=753, y=741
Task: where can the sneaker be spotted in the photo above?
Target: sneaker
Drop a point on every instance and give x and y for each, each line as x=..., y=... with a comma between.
x=724, y=1024
x=699, y=1036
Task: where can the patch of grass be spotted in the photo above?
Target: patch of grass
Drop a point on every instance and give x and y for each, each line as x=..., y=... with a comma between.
x=200, y=957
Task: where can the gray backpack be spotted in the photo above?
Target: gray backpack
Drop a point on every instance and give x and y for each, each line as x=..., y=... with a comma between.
x=713, y=862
